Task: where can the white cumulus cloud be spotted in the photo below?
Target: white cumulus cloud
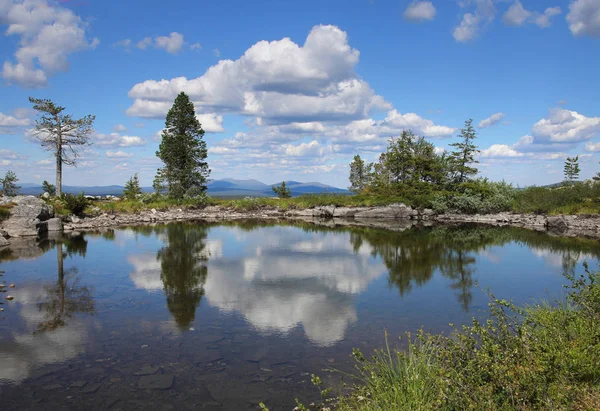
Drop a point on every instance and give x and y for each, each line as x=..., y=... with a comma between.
x=566, y=126
x=584, y=18
x=117, y=140
x=118, y=154
x=47, y=33
x=473, y=22
x=500, y=150
x=171, y=43
x=593, y=147
x=279, y=81
x=491, y=120
x=211, y=122
x=517, y=15
x=419, y=11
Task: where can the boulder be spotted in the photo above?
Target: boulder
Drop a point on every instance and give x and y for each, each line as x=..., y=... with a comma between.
x=3, y=242
x=26, y=215
x=324, y=211
x=556, y=223
x=393, y=211
x=51, y=225
x=46, y=196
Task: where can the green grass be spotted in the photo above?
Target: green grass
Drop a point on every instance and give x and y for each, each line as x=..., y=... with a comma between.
x=5, y=211
x=479, y=196
x=540, y=357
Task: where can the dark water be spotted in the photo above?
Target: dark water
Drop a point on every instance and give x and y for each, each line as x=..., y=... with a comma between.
x=194, y=316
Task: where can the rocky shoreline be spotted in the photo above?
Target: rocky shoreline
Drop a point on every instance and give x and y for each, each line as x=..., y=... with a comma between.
x=33, y=217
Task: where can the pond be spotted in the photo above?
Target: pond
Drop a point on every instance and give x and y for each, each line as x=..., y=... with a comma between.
x=224, y=315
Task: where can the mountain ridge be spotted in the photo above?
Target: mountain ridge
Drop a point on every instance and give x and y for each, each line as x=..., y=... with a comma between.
x=227, y=187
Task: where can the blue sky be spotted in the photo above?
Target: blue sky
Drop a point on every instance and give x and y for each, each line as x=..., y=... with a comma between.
x=292, y=90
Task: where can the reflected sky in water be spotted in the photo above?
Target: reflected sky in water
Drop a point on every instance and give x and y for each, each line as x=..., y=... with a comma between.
x=97, y=297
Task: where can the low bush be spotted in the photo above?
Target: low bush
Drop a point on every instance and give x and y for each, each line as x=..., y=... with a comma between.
x=543, y=356
x=4, y=212
x=76, y=204
x=574, y=198
x=477, y=196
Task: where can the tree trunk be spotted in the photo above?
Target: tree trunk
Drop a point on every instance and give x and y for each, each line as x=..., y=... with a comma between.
x=59, y=166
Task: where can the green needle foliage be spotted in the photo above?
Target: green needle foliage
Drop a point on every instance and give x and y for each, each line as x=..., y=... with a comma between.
x=132, y=188
x=49, y=188
x=572, y=169
x=282, y=191
x=183, y=151
x=9, y=186
x=464, y=155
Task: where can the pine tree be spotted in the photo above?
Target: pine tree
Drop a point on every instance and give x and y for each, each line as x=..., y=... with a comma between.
x=49, y=188
x=9, y=188
x=572, y=169
x=132, y=188
x=360, y=174
x=282, y=191
x=183, y=151
x=465, y=153
x=61, y=134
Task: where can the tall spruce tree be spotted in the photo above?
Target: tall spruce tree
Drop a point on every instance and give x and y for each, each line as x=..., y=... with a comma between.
x=183, y=151
x=61, y=134
x=465, y=153
x=360, y=174
x=9, y=186
x=572, y=169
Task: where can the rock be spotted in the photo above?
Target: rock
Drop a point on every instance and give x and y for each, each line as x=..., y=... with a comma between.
x=46, y=196
x=556, y=223
x=323, y=212
x=153, y=211
x=25, y=216
x=12, y=286
x=91, y=388
x=9, y=298
x=74, y=219
x=51, y=225
x=78, y=384
x=3, y=233
x=156, y=382
x=51, y=387
x=4, y=242
x=147, y=370
x=393, y=211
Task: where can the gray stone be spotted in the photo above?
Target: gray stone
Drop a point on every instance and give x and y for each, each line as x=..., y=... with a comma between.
x=51, y=387
x=46, y=196
x=25, y=216
x=147, y=370
x=74, y=219
x=394, y=211
x=556, y=223
x=156, y=382
x=78, y=384
x=3, y=233
x=4, y=242
x=91, y=388
x=51, y=225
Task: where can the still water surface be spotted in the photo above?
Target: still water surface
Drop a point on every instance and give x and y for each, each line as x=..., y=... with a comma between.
x=198, y=315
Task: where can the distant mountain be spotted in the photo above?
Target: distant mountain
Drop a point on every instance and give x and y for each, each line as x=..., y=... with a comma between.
x=228, y=187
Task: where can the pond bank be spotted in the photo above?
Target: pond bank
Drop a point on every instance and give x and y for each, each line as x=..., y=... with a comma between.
x=31, y=216
x=395, y=217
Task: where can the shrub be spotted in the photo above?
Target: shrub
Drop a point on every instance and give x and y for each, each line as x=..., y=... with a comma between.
x=543, y=356
x=49, y=188
x=477, y=196
x=76, y=204
x=4, y=213
x=569, y=199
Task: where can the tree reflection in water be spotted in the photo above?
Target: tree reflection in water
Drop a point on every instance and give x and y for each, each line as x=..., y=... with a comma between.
x=183, y=269
x=67, y=296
